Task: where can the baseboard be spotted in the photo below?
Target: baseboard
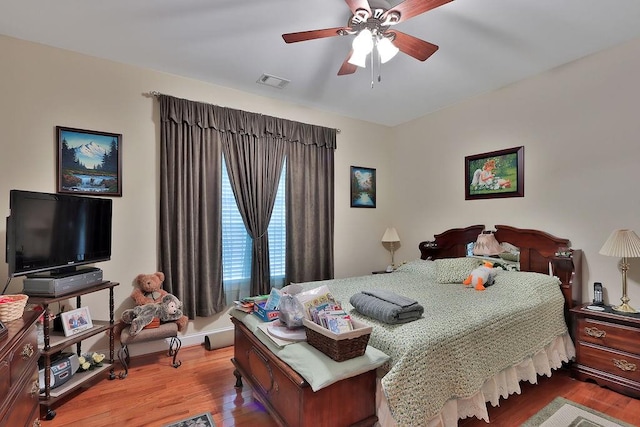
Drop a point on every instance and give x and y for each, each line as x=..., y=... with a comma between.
x=218, y=338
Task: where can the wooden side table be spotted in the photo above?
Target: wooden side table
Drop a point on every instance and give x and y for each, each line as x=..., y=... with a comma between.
x=607, y=349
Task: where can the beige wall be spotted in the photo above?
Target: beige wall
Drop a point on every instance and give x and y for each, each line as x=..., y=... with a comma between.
x=578, y=124
x=580, y=129
x=43, y=87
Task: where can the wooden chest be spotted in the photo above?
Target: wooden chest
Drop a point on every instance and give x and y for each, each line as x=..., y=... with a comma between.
x=290, y=399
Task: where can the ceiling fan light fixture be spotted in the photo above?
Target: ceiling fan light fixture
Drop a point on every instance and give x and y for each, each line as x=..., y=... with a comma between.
x=359, y=59
x=386, y=49
x=362, y=46
x=363, y=43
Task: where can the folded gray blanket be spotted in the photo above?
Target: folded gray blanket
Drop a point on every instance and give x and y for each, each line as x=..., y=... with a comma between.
x=386, y=306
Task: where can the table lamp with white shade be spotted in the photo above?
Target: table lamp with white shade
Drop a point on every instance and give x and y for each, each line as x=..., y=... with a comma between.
x=623, y=244
x=391, y=237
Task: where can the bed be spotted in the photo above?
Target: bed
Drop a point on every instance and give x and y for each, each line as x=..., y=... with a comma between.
x=470, y=347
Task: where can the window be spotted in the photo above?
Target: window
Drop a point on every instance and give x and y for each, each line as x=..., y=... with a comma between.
x=236, y=243
x=278, y=234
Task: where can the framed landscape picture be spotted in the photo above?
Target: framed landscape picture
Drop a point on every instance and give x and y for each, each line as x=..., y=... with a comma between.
x=89, y=162
x=363, y=187
x=495, y=174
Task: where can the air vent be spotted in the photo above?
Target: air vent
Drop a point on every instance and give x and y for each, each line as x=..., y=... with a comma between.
x=273, y=81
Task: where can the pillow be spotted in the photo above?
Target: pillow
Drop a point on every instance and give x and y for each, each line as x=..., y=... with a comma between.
x=508, y=256
x=512, y=253
x=454, y=270
x=419, y=266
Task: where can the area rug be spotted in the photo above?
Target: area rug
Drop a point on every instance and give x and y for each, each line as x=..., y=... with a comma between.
x=565, y=413
x=201, y=420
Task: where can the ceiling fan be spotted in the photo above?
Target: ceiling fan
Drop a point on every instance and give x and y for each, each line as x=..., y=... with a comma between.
x=373, y=22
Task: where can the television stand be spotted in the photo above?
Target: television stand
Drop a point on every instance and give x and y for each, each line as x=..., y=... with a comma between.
x=54, y=343
x=54, y=286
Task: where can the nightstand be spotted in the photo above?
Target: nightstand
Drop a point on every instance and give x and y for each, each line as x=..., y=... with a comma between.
x=607, y=349
x=381, y=272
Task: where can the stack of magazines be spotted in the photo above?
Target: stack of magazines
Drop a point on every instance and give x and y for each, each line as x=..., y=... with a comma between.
x=332, y=317
x=246, y=304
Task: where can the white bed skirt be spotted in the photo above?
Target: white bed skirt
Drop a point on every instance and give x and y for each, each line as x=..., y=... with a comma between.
x=502, y=385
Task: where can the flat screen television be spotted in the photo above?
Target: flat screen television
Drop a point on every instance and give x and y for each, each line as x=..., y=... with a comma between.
x=52, y=234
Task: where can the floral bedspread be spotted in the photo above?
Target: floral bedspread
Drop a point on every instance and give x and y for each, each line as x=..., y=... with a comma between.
x=465, y=336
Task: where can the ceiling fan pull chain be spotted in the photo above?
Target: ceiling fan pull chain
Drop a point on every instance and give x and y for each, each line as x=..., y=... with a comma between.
x=372, y=70
x=379, y=68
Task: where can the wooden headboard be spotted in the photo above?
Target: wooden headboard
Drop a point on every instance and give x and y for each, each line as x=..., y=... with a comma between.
x=537, y=250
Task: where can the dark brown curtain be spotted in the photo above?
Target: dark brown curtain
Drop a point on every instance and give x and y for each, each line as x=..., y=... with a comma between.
x=310, y=180
x=190, y=214
x=193, y=137
x=254, y=166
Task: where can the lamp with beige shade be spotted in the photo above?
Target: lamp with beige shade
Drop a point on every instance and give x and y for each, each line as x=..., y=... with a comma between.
x=623, y=244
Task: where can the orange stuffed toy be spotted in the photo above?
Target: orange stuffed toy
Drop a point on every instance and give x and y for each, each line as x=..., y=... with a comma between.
x=481, y=276
x=149, y=291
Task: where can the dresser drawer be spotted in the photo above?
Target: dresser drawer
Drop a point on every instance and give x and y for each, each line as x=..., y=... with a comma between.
x=614, y=336
x=4, y=378
x=26, y=404
x=24, y=355
x=621, y=364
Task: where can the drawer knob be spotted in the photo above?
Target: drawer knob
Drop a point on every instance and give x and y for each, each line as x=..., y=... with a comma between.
x=35, y=388
x=595, y=332
x=624, y=365
x=27, y=351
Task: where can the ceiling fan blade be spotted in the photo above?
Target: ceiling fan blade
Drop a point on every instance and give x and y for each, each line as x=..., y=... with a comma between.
x=347, y=68
x=413, y=46
x=311, y=35
x=358, y=4
x=410, y=8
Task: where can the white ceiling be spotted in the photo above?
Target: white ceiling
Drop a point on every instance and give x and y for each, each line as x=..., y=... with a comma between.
x=484, y=45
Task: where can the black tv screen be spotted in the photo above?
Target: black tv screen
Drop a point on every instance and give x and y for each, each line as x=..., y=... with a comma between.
x=56, y=232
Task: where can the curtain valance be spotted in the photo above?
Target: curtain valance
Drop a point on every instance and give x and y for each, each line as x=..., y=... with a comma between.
x=223, y=119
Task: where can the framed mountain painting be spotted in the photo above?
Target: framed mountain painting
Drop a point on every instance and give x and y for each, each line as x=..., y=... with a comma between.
x=89, y=162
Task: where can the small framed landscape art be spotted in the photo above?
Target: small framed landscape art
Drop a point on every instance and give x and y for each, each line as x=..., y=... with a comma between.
x=363, y=187
x=495, y=174
x=89, y=162
x=75, y=321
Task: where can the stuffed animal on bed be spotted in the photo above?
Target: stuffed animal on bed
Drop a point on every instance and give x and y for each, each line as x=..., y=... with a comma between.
x=482, y=276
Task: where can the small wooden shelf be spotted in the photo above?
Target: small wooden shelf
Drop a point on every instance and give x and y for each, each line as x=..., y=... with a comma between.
x=55, y=342
x=58, y=342
x=76, y=381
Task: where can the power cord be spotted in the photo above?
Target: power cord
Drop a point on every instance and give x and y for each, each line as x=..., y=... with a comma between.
x=6, y=286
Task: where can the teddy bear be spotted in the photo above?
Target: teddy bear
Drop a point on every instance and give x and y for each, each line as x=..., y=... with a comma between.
x=148, y=290
x=169, y=309
x=482, y=276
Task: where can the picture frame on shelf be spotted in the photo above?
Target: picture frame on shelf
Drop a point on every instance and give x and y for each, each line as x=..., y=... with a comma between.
x=496, y=174
x=76, y=321
x=363, y=187
x=89, y=162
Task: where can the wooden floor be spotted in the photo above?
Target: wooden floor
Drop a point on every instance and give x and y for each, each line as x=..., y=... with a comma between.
x=155, y=394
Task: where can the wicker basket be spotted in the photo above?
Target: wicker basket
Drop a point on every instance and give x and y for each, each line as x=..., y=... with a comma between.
x=12, y=306
x=339, y=347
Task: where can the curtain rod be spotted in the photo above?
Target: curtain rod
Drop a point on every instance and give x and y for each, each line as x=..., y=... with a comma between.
x=156, y=94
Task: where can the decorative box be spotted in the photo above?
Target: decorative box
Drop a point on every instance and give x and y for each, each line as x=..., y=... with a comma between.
x=263, y=313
